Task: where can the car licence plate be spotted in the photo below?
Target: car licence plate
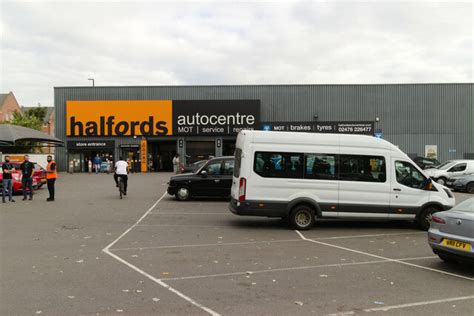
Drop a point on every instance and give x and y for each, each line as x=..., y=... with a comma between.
x=457, y=244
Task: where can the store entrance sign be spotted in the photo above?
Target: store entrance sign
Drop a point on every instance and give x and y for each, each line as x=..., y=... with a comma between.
x=90, y=145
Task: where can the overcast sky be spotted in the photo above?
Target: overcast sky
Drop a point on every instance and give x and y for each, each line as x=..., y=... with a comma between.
x=63, y=43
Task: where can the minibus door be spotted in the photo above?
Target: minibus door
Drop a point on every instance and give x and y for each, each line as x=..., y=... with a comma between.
x=407, y=193
x=364, y=188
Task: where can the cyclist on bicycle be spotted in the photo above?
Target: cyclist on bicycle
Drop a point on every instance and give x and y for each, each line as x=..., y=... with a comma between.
x=121, y=170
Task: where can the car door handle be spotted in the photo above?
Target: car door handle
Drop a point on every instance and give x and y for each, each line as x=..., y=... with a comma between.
x=217, y=180
x=397, y=189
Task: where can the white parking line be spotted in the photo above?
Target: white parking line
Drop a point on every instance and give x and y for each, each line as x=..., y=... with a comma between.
x=192, y=213
x=385, y=258
x=252, y=242
x=202, y=276
x=177, y=225
x=272, y=270
x=209, y=245
x=149, y=276
x=390, y=307
x=367, y=236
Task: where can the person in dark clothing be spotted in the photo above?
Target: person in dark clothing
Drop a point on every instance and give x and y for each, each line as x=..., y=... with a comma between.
x=27, y=169
x=7, y=184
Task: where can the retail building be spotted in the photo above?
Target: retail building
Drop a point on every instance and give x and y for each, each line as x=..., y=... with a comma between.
x=150, y=124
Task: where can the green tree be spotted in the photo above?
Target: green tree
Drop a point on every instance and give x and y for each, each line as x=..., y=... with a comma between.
x=26, y=120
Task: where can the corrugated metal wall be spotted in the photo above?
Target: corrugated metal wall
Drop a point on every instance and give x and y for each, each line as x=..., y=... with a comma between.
x=411, y=115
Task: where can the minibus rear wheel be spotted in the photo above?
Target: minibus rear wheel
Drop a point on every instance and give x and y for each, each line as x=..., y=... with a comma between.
x=302, y=217
x=423, y=220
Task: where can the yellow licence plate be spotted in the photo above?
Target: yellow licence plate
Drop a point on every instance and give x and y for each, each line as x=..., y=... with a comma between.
x=457, y=244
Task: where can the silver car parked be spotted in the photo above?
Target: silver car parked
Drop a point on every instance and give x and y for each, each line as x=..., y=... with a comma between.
x=451, y=233
x=464, y=184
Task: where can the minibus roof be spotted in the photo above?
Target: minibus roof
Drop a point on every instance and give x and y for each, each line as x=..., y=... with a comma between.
x=301, y=138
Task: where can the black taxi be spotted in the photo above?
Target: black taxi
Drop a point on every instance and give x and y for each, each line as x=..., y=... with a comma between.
x=214, y=179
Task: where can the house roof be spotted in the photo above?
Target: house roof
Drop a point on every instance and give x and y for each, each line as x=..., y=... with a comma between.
x=49, y=111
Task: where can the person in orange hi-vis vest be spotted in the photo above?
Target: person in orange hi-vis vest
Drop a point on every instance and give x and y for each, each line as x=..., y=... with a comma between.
x=51, y=176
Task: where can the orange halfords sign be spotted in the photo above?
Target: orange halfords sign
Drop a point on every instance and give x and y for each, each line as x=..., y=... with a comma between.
x=119, y=118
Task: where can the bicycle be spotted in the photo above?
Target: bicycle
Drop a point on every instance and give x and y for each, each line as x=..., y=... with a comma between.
x=121, y=187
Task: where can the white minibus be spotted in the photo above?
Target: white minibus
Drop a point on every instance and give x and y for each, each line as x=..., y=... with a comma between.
x=304, y=176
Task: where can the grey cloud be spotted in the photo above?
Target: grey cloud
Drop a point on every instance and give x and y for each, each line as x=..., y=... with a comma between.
x=47, y=44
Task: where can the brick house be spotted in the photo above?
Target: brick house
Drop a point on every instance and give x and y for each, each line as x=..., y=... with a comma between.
x=8, y=106
x=48, y=123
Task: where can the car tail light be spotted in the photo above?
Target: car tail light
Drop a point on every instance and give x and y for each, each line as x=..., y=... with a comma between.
x=438, y=220
x=242, y=187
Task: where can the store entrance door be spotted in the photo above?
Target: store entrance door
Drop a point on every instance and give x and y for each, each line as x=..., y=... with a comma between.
x=161, y=154
x=131, y=156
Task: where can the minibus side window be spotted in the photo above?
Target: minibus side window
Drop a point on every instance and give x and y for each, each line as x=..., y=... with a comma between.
x=408, y=175
x=238, y=162
x=320, y=166
x=278, y=165
x=362, y=168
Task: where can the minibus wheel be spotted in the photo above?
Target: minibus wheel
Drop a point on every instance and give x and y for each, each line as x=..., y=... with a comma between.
x=302, y=217
x=183, y=194
x=423, y=219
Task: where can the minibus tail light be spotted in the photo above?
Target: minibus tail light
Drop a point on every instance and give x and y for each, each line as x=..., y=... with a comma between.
x=242, y=187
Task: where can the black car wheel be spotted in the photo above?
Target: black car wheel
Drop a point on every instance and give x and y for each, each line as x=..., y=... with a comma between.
x=470, y=187
x=302, y=217
x=423, y=220
x=183, y=194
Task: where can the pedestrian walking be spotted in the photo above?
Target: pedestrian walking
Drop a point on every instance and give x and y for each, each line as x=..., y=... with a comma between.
x=27, y=169
x=7, y=183
x=97, y=162
x=51, y=176
x=176, y=164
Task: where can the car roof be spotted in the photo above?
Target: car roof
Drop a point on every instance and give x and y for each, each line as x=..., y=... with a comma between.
x=222, y=157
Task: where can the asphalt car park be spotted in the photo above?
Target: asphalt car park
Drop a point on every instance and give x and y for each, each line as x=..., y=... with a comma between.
x=150, y=254
x=226, y=264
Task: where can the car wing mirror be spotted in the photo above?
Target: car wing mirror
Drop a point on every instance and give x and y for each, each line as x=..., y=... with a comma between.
x=204, y=173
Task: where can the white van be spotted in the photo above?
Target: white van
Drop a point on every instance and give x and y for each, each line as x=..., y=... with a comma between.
x=451, y=170
x=301, y=176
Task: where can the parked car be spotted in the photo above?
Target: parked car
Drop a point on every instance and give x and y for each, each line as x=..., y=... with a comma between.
x=451, y=234
x=192, y=167
x=213, y=179
x=426, y=163
x=39, y=177
x=464, y=184
x=451, y=169
x=303, y=176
